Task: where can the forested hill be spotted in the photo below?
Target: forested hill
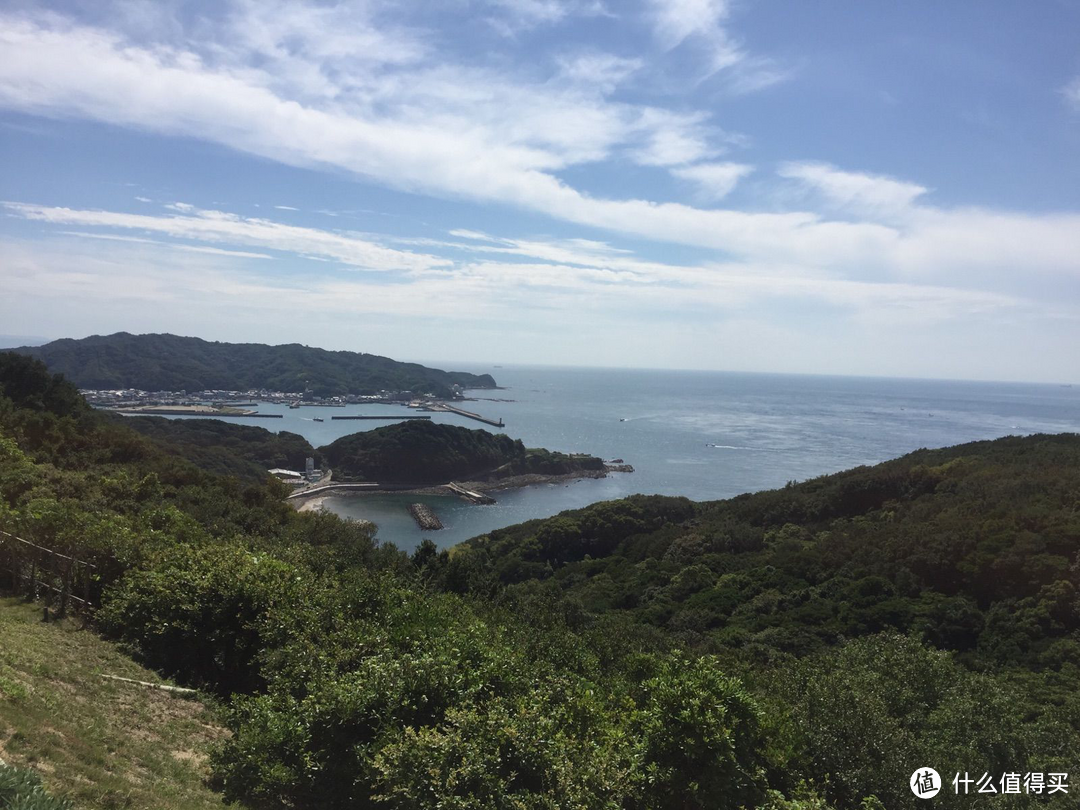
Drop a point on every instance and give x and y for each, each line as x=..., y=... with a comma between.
x=244, y=451
x=725, y=656
x=421, y=452
x=172, y=363
x=974, y=547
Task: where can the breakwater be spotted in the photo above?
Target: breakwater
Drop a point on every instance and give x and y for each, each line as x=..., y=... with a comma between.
x=442, y=406
x=470, y=495
x=425, y=517
x=388, y=418
x=181, y=412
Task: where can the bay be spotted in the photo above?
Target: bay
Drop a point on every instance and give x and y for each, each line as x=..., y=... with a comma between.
x=705, y=435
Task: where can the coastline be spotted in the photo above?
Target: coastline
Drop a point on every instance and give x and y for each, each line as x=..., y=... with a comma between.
x=315, y=502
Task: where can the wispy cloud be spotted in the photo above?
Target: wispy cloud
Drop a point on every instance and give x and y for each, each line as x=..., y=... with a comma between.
x=340, y=88
x=1071, y=91
x=866, y=194
x=236, y=254
x=222, y=227
x=703, y=24
x=714, y=181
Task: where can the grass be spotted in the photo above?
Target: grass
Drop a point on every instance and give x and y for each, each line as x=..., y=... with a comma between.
x=101, y=743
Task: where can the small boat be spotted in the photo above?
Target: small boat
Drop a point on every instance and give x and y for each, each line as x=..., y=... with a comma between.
x=623, y=419
x=319, y=419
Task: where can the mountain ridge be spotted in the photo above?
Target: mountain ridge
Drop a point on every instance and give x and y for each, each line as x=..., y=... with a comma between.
x=167, y=362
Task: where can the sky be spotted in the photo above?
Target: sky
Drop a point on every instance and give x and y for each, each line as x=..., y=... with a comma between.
x=840, y=187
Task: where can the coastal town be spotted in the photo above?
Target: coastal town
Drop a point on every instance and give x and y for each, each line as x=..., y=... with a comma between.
x=217, y=399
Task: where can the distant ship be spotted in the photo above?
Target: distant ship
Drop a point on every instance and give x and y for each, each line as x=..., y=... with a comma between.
x=318, y=419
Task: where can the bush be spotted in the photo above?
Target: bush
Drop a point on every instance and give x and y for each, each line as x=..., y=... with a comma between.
x=21, y=789
x=204, y=615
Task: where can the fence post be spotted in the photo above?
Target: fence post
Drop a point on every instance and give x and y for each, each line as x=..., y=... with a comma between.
x=33, y=577
x=65, y=588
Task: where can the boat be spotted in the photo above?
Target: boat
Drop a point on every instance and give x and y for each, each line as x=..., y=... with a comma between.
x=318, y=419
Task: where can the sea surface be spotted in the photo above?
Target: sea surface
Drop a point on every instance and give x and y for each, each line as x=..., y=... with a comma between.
x=705, y=435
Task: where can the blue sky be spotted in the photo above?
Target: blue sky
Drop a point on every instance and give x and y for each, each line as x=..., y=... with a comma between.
x=843, y=187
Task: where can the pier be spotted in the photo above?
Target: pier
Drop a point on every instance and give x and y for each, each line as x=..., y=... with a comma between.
x=388, y=418
x=320, y=490
x=425, y=518
x=442, y=406
x=374, y=486
x=470, y=495
x=181, y=412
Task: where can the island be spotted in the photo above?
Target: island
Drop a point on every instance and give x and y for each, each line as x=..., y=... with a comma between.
x=420, y=453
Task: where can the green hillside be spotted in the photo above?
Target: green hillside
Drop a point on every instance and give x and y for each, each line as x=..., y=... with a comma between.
x=246, y=451
x=800, y=649
x=975, y=547
x=172, y=363
x=421, y=452
x=97, y=742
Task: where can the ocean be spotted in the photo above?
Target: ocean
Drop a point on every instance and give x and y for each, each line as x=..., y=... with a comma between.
x=705, y=435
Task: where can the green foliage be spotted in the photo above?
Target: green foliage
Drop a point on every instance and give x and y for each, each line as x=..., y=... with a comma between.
x=244, y=451
x=775, y=650
x=702, y=739
x=170, y=363
x=21, y=789
x=28, y=384
x=206, y=614
x=976, y=548
x=871, y=712
x=421, y=452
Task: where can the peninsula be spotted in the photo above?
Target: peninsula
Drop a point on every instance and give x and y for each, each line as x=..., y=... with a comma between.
x=164, y=362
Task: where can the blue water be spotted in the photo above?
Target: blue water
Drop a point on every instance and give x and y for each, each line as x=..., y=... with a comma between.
x=767, y=429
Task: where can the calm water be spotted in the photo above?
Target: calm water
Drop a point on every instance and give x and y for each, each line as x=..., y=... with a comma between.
x=701, y=434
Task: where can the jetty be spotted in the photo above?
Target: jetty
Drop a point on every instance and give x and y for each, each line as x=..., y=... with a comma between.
x=442, y=406
x=389, y=418
x=321, y=490
x=470, y=495
x=188, y=412
x=425, y=517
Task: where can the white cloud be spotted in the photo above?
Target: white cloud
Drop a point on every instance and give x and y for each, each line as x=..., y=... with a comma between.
x=675, y=20
x=473, y=133
x=1072, y=92
x=218, y=226
x=286, y=208
x=603, y=71
x=702, y=23
x=713, y=180
x=236, y=254
x=672, y=140
x=571, y=273
x=447, y=131
x=854, y=191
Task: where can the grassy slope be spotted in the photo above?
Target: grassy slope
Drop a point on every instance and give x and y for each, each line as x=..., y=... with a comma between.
x=103, y=743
